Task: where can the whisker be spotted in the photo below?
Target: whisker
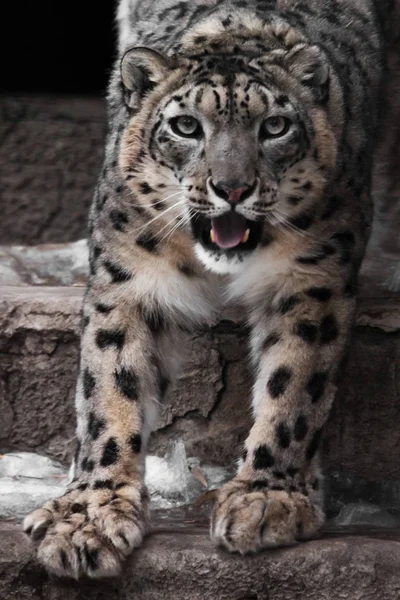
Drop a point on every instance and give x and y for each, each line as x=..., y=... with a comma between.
x=192, y=212
x=177, y=226
x=158, y=201
x=169, y=223
x=169, y=233
x=159, y=216
x=171, y=196
x=289, y=226
x=181, y=223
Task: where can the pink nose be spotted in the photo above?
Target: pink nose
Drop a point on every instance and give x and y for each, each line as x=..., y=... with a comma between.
x=232, y=191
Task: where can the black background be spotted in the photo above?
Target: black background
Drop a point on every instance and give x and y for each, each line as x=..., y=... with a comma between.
x=62, y=46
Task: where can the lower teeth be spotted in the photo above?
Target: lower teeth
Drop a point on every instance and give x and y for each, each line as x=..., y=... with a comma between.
x=246, y=236
x=244, y=239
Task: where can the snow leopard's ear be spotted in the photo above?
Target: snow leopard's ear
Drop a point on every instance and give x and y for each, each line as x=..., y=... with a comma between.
x=141, y=69
x=310, y=66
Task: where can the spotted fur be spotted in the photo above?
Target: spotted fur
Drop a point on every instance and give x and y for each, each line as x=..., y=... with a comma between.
x=315, y=67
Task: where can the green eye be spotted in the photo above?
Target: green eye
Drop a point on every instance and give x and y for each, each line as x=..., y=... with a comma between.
x=275, y=127
x=186, y=126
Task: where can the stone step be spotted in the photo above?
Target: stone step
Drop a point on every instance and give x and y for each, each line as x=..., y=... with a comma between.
x=348, y=560
x=180, y=563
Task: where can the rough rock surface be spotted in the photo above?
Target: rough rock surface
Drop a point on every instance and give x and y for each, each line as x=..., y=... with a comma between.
x=50, y=156
x=181, y=564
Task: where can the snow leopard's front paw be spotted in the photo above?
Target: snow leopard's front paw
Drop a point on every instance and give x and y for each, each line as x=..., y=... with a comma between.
x=90, y=530
x=247, y=518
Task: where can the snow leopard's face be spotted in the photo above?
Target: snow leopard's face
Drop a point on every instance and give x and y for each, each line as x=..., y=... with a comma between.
x=222, y=151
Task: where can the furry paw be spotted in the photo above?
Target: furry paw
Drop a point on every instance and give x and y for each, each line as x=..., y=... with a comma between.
x=89, y=532
x=247, y=519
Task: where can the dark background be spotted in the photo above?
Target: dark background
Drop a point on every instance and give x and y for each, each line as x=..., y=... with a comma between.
x=56, y=58
x=59, y=47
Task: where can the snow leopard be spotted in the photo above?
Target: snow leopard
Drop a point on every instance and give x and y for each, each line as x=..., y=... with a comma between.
x=237, y=170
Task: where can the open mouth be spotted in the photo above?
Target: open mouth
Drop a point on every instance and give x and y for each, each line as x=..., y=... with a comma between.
x=230, y=231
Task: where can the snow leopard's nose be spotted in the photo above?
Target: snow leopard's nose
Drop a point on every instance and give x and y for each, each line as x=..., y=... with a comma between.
x=233, y=191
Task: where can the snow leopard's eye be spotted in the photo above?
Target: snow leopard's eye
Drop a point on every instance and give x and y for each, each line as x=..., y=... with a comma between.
x=186, y=126
x=275, y=127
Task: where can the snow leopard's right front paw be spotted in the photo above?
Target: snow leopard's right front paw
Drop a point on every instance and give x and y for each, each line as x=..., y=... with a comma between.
x=90, y=530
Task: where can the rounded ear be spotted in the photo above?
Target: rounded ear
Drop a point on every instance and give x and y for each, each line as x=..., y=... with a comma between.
x=141, y=69
x=309, y=65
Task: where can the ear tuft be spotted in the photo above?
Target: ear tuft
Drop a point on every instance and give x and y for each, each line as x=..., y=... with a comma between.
x=141, y=69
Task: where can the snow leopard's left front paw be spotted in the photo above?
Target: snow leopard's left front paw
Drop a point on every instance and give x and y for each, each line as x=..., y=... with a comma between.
x=247, y=518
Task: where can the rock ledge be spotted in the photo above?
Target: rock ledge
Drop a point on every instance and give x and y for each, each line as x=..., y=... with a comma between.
x=182, y=564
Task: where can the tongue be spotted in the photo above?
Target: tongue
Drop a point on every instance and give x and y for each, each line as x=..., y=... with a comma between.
x=229, y=230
